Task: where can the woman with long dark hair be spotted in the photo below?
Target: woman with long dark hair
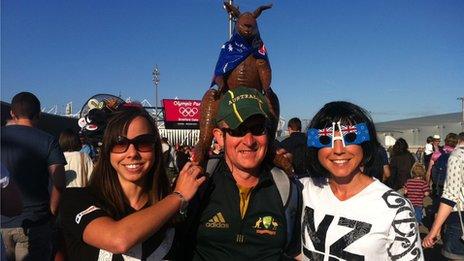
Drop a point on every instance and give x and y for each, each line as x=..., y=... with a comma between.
x=401, y=163
x=348, y=215
x=79, y=165
x=126, y=209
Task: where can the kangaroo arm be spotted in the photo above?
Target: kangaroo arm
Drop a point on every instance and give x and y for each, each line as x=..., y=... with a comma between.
x=219, y=80
x=264, y=71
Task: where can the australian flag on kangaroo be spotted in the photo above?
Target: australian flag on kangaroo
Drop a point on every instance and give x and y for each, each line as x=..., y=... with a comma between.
x=236, y=50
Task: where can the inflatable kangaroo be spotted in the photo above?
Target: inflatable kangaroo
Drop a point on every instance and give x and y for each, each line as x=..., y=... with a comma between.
x=243, y=61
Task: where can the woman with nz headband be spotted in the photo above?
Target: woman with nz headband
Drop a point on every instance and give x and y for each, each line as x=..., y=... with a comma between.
x=125, y=211
x=346, y=214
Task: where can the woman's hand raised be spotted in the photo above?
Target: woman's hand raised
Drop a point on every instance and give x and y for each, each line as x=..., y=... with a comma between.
x=190, y=178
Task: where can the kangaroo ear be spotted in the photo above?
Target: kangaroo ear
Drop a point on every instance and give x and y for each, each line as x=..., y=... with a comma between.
x=232, y=10
x=260, y=9
x=219, y=136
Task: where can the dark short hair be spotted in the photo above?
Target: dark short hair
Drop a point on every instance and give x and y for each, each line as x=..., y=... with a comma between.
x=429, y=139
x=451, y=139
x=346, y=113
x=25, y=105
x=69, y=140
x=294, y=124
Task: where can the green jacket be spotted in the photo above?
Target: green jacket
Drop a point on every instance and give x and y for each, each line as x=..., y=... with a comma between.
x=216, y=230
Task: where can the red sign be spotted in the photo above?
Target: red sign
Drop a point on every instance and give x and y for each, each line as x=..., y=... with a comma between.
x=181, y=113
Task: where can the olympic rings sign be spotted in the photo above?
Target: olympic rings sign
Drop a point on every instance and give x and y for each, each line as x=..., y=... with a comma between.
x=188, y=111
x=181, y=112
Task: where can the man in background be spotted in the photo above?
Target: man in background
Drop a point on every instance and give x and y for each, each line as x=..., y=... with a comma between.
x=380, y=168
x=169, y=159
x=33, y=159
x=295, y=144
x=216, y=150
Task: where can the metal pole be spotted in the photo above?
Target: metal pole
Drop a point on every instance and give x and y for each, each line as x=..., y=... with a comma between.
x=156, y=80
x=230, y=21
x=462, y=111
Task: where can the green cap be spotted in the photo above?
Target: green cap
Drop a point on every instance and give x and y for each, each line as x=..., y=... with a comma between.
x=239, y=104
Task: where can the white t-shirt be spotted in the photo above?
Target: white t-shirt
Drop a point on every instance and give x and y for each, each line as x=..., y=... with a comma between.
x=78, y=169
x=428, y=149
x=375, y=224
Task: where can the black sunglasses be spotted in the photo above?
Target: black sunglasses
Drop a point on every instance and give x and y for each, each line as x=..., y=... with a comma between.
x=142, y=143
x=242, y=130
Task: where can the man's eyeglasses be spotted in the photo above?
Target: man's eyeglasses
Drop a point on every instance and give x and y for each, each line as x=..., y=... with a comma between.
x=242, y=130
x=349, y=134
x=142, y=143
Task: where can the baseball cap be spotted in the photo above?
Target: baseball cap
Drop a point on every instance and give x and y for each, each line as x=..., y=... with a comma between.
x=239, y=104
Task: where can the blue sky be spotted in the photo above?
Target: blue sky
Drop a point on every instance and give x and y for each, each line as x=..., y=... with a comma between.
x=398, y=59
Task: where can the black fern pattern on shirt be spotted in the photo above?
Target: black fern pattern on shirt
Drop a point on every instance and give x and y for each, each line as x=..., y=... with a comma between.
x=405, y=244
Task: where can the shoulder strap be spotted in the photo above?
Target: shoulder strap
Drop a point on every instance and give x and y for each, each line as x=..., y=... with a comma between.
x=283, y=184
x=186, y=232
x=211, y=166
x=289, y=193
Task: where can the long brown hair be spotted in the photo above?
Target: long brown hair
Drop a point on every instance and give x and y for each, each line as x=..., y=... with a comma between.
x=69, y=141
x=104, y=181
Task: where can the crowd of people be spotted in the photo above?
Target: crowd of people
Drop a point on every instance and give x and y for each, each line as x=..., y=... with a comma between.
x=136, y=196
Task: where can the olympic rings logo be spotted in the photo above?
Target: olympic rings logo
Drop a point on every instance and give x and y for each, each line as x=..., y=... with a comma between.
x=188, y=111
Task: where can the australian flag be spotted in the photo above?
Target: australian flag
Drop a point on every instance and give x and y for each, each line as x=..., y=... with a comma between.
x=235, y=51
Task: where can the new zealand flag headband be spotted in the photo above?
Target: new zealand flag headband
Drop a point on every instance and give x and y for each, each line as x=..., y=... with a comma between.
x=349, y=135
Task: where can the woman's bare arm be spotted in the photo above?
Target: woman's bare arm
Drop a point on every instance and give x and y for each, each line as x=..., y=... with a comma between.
x=120, y=236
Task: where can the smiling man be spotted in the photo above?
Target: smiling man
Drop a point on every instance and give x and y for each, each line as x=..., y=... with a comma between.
x=240, y=213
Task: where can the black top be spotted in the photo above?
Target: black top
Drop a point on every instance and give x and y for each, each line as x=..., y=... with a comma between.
x=400, y=166
x=27, y=153
x=79, y=207
x=296, y=145
x=380, y=160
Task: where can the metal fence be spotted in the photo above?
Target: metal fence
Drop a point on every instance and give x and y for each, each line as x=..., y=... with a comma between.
x=183, y=137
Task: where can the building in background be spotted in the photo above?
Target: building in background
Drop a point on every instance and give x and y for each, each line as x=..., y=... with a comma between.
x=416, y=130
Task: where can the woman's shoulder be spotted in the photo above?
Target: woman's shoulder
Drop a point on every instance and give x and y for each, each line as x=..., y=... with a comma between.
x=378, y=186
x=71, y=154
x=389, y=196
x=78, y=200
x=76, y=193
x=313, y=182
x=458, y=153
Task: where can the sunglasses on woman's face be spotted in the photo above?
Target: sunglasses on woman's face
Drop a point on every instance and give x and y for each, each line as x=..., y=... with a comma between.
x=348, y=135
x=142, y=143
x=242, y=130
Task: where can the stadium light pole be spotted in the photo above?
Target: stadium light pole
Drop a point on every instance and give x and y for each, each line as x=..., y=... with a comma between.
x=462, y=110
x=231, y=20
x=156, y=80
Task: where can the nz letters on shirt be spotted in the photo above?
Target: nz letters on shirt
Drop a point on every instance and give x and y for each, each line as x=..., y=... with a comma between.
x=375, y=224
